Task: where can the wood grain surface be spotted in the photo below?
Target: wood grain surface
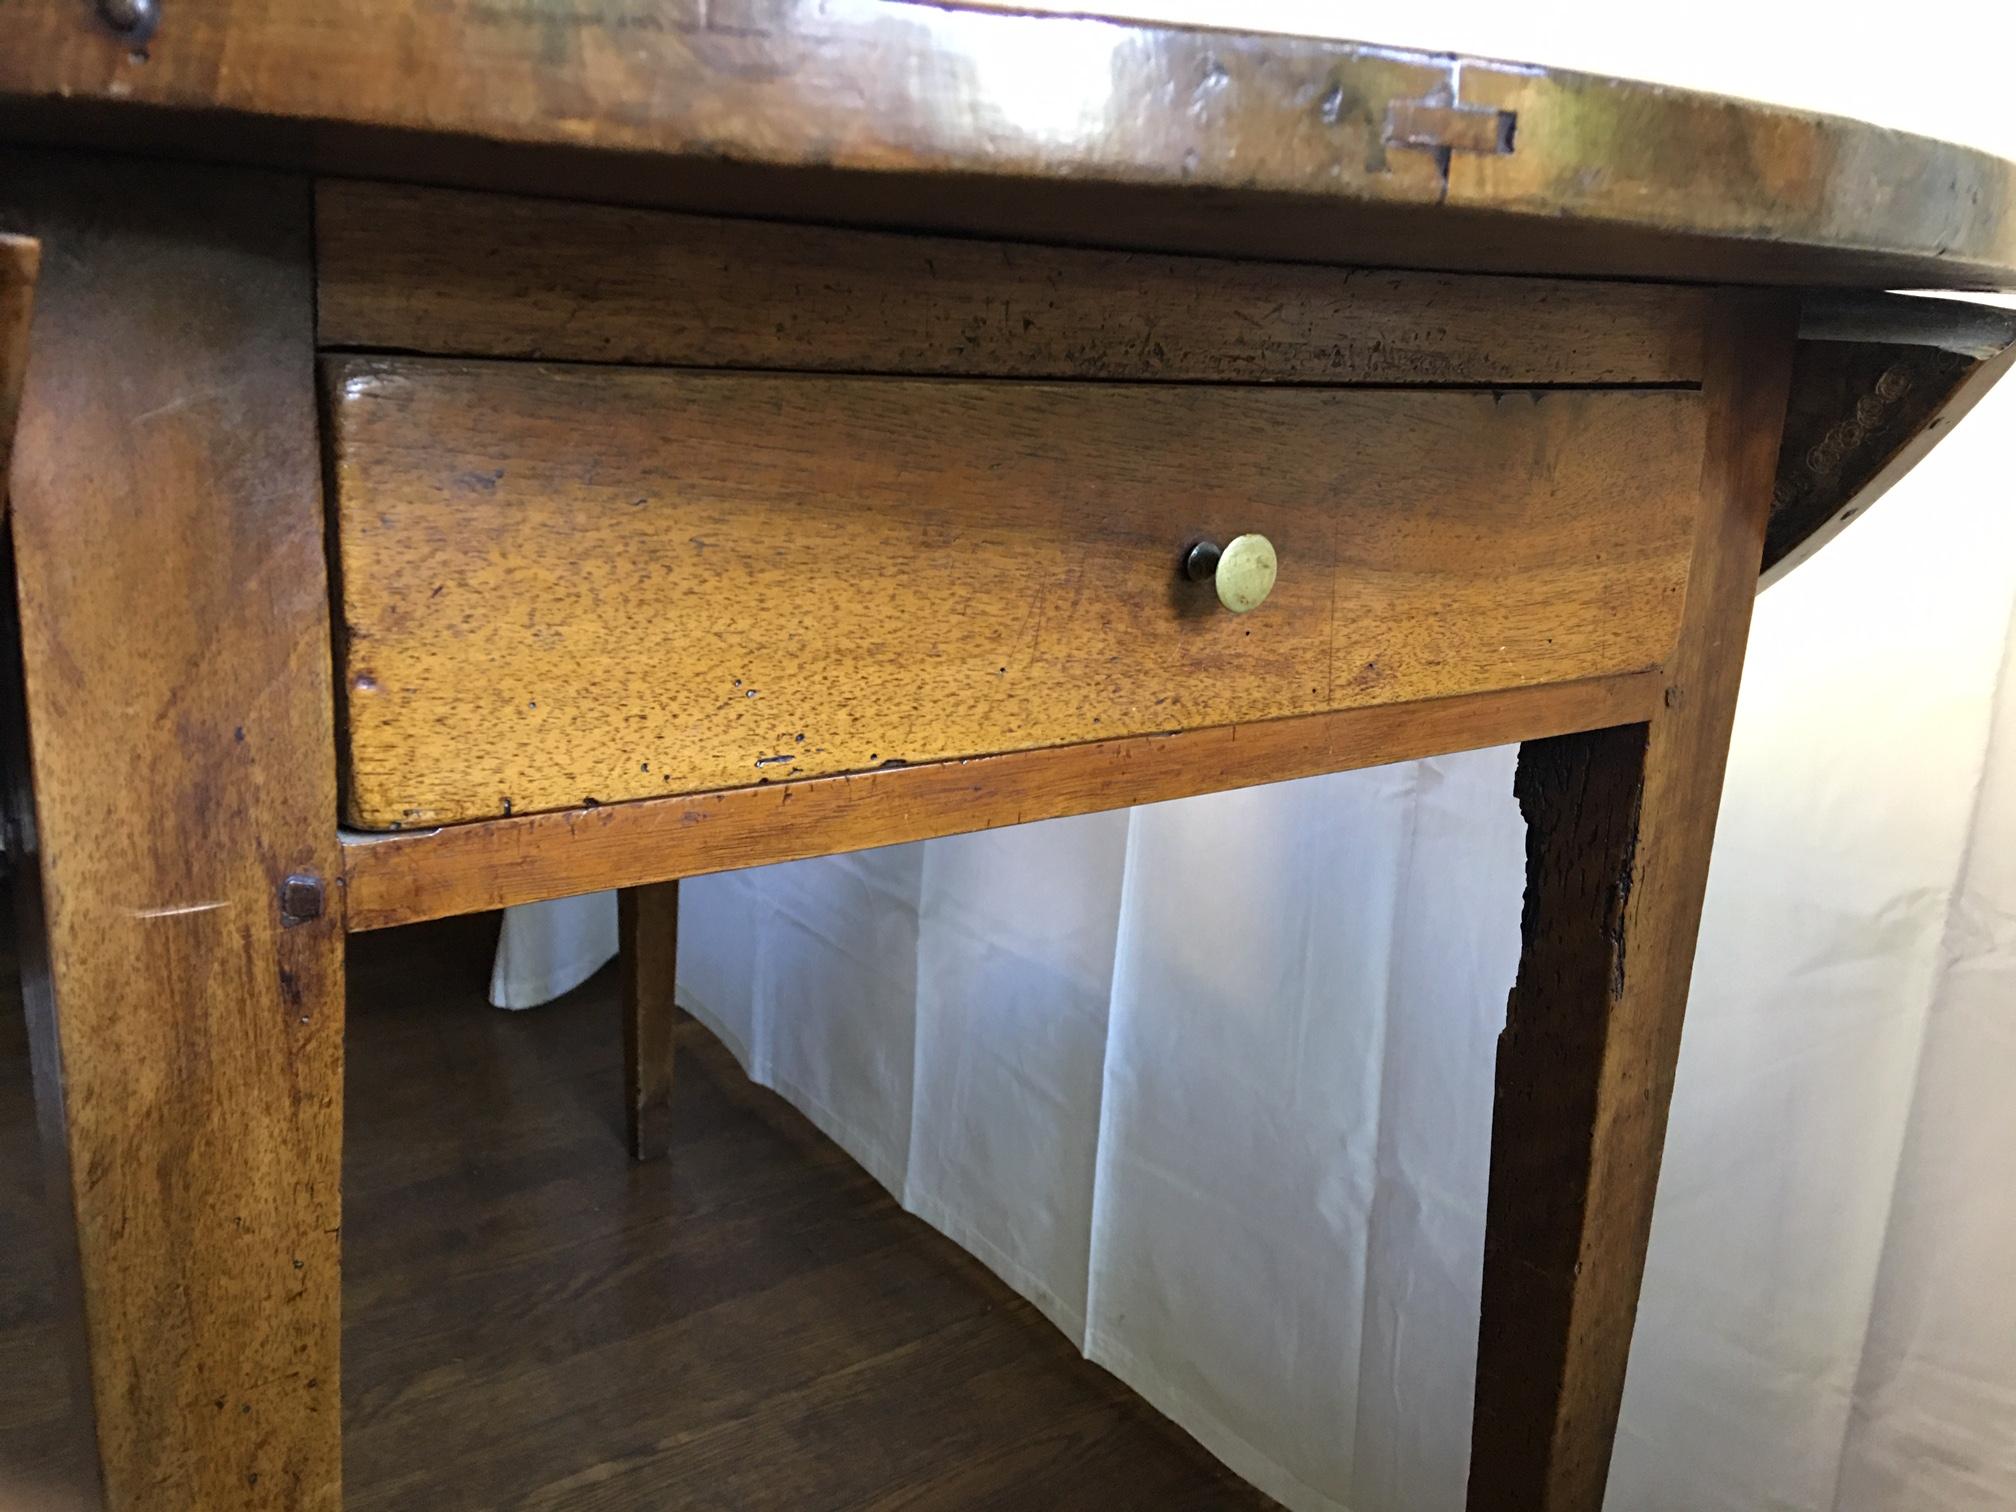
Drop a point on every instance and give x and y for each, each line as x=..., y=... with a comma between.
x=430, y=874
x=409, y=268
x=1051, y=127
x=565, y=584
x=174, y=627
x=1620, y=824
x=20, y=261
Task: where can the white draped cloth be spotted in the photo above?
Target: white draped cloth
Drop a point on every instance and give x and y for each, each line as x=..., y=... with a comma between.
x=1210, y=1082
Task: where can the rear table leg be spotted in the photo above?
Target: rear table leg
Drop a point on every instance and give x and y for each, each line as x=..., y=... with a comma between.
x=648, y=930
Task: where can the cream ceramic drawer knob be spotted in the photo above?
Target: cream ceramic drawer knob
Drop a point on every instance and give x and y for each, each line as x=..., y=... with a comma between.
x=1242, y=571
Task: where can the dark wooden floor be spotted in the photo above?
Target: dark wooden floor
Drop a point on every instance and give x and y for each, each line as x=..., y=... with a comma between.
x=534, y=1322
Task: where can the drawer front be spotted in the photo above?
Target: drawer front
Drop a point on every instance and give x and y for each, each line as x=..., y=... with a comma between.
x=564, y=585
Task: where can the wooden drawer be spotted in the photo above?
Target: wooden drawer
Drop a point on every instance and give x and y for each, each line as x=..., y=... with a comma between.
x=574, y=584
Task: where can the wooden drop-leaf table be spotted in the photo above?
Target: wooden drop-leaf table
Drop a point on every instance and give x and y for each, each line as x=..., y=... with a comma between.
x=475, y=453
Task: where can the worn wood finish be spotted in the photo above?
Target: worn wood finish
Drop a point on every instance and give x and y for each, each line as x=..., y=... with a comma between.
x=1024, y=125
x=565, y=584
x=1879, y=380
x=402, y=878
x=647, y=922
x=429, y=270
x=1620, y=825
x=174, y=627
x=1733, y=176
x=20, y=260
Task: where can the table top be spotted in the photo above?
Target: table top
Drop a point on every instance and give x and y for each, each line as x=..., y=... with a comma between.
x=968, y=117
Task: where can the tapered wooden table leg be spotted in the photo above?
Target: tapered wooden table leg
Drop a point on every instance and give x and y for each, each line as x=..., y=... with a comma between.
x=175, y=800
x=20, y=262
x=1619, y=827
x=648, y=930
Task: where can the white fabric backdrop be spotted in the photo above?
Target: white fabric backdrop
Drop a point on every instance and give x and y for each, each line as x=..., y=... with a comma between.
x=1210, y=1081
